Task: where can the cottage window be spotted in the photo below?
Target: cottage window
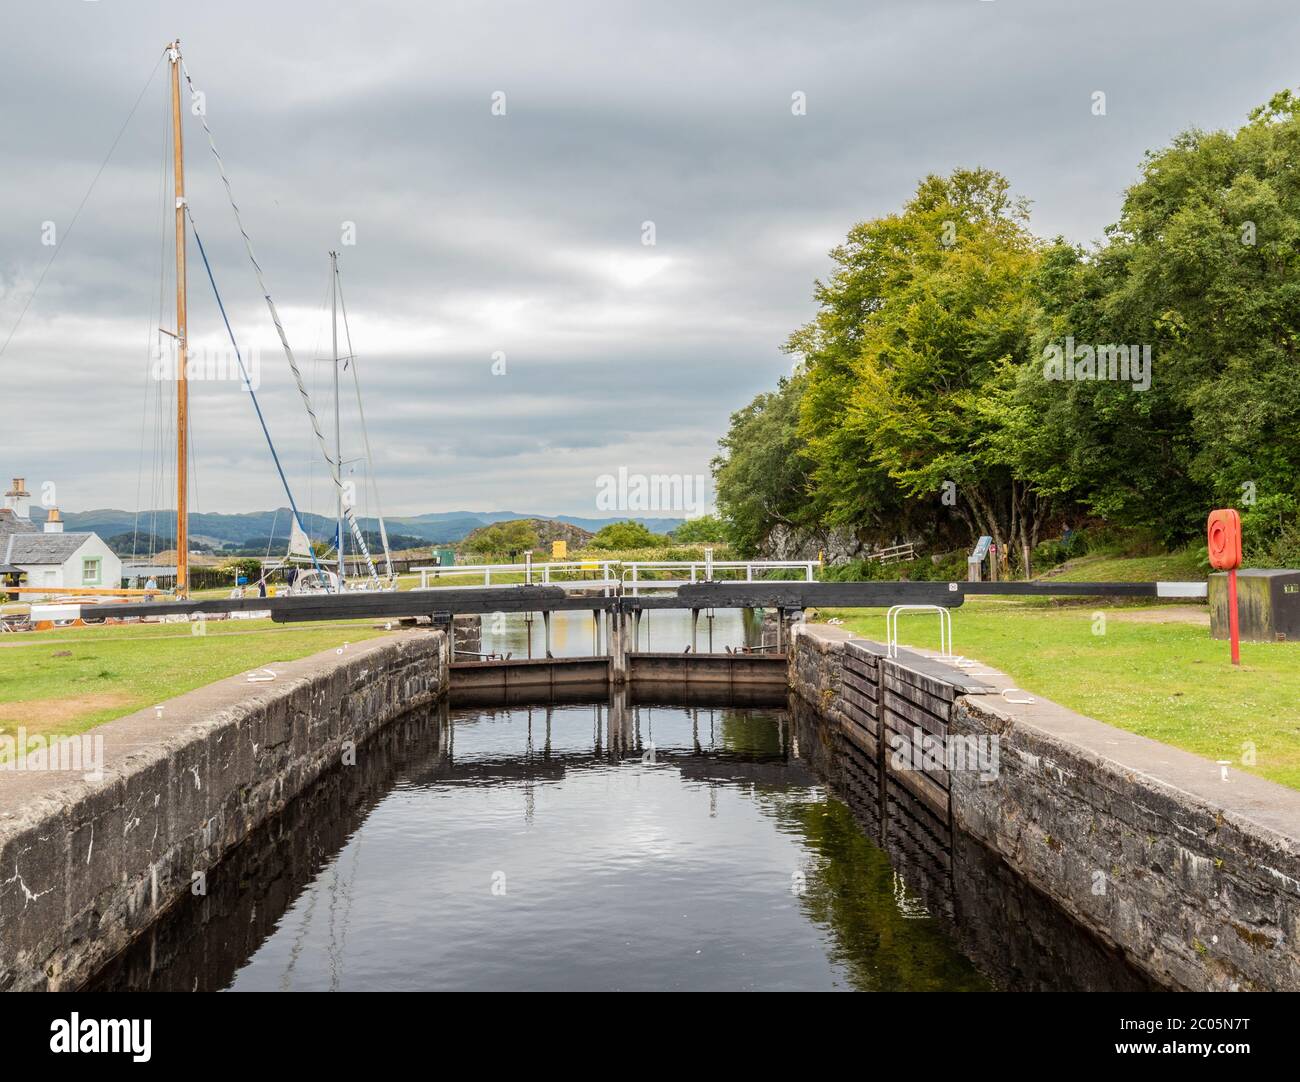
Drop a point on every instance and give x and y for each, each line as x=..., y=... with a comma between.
x=90, y=571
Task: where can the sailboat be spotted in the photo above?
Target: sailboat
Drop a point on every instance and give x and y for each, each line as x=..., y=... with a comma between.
x=316, y=576
x=304, y=573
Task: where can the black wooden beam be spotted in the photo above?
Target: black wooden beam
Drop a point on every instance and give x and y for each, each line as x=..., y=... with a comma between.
x=802, y=595
x=364, y=605
x=439, y=601
x=458, y=601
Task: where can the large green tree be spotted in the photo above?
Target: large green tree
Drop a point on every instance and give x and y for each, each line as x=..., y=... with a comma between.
x=928, y=312
x=924, y=397
x=1203, y=267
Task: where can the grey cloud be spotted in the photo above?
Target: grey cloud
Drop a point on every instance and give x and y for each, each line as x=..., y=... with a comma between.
x=522, y=233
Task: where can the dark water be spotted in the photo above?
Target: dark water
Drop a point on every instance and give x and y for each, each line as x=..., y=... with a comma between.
x=605, y=846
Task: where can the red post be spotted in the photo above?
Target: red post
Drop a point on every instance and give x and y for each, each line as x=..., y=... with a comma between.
x=1223, y=534
x=1232, y=617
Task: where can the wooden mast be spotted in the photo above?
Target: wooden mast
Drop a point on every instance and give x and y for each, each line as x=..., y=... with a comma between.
x=182, y=387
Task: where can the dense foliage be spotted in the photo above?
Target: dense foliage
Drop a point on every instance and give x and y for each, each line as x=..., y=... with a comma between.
x=509, y=539
x=702, y=530
x=762, y=478
x=626, y=535
x=934, y=401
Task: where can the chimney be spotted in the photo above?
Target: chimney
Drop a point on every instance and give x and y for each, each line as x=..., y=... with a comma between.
x=19, y=500
x=53, y=523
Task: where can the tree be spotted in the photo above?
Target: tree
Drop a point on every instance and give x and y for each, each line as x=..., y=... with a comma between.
x=510, y=538
x=762, y=476
x=1209, y=249
x=1202, y=268
x=626, y=535
x=247, y=566
x=928, y=312
x=705, y=528
x=926, y=395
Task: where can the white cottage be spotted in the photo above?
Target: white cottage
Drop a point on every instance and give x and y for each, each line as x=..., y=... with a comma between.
x=32, y=557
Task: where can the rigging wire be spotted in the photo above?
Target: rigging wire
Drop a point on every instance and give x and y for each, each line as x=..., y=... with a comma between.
x=315, y=386
x=58, y=247
x=164, y=407
x=365, y=435
x=275, y=518
x=193, y=505
x=247, y=382
x=284, y=339
x=164, y=400
x=151, y=335
x=257, y=269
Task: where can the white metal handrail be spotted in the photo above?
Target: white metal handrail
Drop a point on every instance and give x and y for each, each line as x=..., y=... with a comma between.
x=613, y=574
x=708, y=570
x=630, y=572
x=534, y=573
x=945, y=627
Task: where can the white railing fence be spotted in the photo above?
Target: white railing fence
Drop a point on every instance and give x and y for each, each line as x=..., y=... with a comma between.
x=641, y=575
x=632, y=576
x=589, y=573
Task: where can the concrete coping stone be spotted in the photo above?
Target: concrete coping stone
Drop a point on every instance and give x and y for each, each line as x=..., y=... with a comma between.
x=826, y=637
x=915, y=661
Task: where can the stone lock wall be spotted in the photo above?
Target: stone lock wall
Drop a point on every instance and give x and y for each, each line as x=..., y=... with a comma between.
x=1191, y=876
x=1202, y=893
x=88, y=865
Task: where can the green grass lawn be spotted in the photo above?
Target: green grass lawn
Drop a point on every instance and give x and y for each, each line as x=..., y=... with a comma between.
x=1181, y=566
x=1151, y=672
x=1149, y=675
x=71, y=679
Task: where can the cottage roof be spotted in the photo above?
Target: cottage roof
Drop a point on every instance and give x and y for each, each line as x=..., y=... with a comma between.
x=11, y=523
x=41, y=548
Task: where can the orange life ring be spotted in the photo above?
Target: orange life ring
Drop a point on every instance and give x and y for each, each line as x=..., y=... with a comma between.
x=1223, y=532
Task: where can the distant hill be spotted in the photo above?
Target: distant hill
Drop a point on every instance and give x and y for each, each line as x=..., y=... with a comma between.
x=437, y=527
x=141, y=544
x=594, y=525
x=486, y=518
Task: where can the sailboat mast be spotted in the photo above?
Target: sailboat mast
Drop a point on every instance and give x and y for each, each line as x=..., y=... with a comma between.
x=182, y=387
x=338, y=437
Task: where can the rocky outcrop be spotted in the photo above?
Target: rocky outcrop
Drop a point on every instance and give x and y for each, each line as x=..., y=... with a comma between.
x=546, y=530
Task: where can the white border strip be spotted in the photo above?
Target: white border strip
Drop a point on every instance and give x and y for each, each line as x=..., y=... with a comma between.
x=1182, y=589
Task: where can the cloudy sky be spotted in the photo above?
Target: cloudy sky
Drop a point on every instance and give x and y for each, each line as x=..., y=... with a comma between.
x=478, y=234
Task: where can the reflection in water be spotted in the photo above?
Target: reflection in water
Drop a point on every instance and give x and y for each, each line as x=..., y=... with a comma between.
x=590, y=846
x=1017, y=935
x=604, y=845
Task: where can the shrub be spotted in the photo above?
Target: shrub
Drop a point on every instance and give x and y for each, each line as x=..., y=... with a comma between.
x=626, y=535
